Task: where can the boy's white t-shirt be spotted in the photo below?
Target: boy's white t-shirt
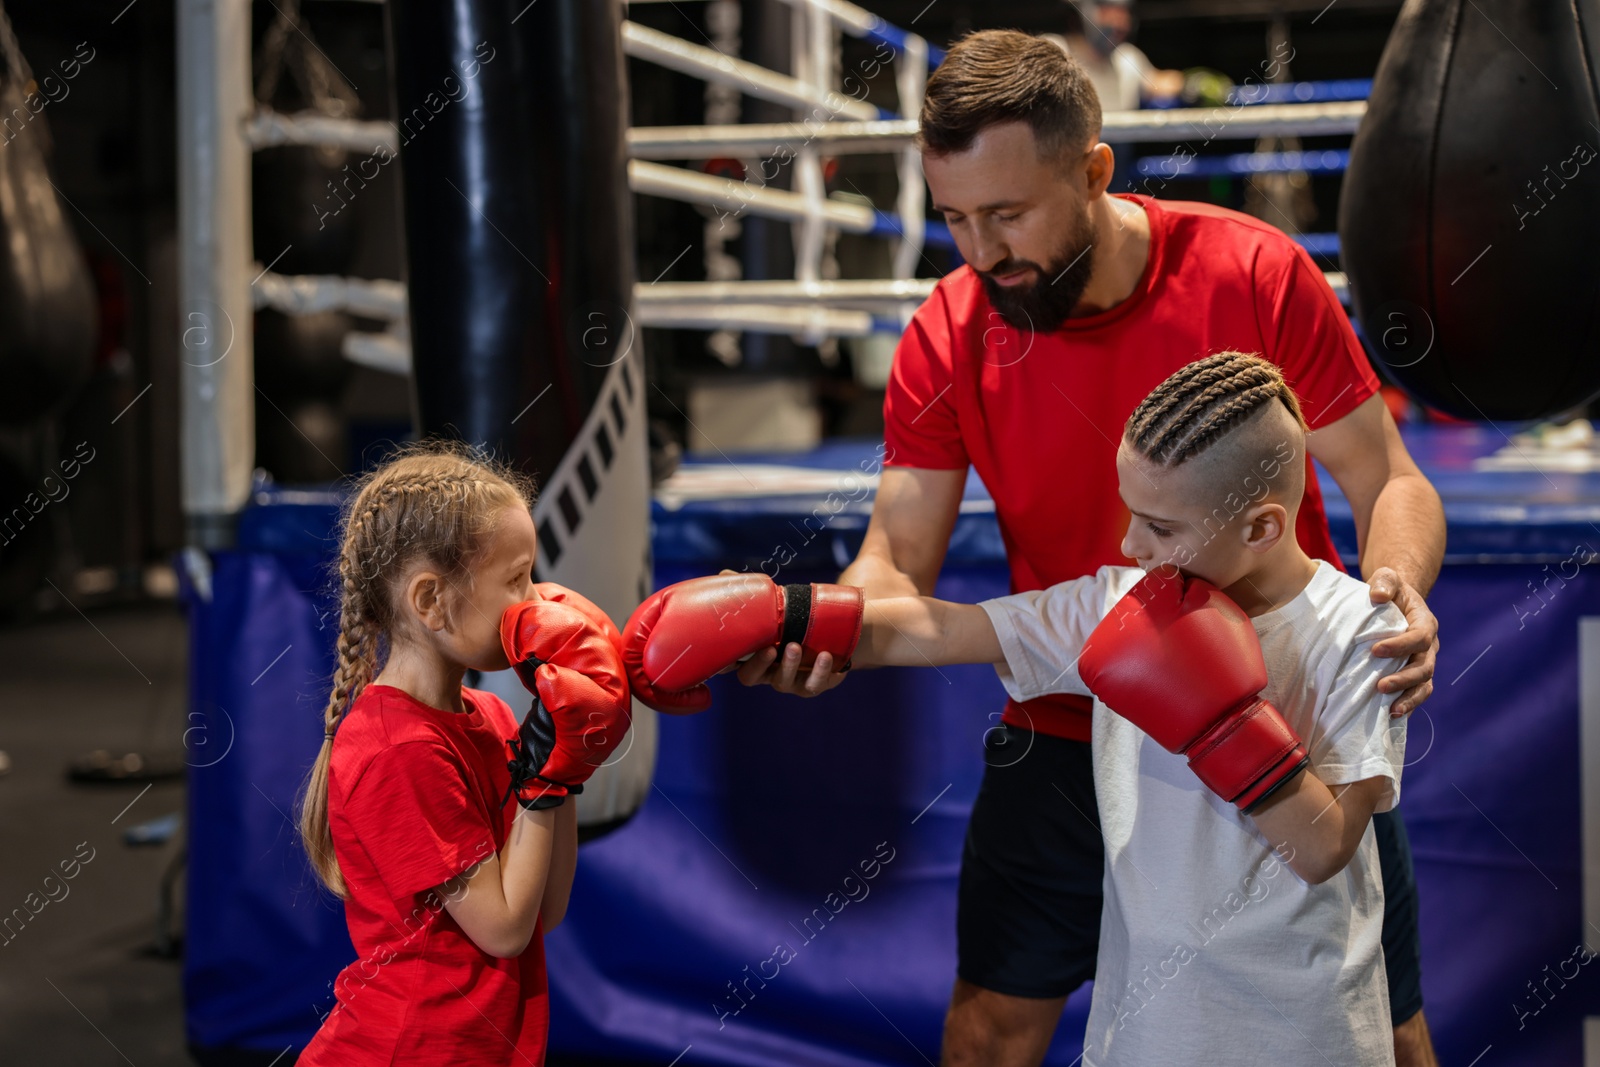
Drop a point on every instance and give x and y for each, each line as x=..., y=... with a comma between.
x=1212, y=950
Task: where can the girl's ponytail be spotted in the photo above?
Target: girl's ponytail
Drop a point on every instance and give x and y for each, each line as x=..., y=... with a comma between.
x=357, y=650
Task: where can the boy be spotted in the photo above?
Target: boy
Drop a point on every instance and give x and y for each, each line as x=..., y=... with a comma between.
x=1243, y=902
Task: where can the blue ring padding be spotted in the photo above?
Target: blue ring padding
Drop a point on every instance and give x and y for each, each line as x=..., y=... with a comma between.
x=1313, y=92
x=934, y=234
x=885, y=224
x=1318, y=244
x=895, y=37
x=1493, y=517
x=291, y=521
x=1327, y=161
x=937, y=235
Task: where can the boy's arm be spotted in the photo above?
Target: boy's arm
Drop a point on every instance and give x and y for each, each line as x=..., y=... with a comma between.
x=1356, y=746
x=1320, y=825
x=919, y=631
x=1360, y=747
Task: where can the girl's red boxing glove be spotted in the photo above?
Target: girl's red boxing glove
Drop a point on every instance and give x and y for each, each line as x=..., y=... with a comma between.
x=581, y=708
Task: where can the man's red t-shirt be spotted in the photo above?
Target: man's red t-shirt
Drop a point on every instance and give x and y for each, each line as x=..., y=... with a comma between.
x=1039, y=416
x=414, y=799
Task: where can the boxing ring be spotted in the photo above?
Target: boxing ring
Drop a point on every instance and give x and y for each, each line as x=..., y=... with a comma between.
x=763, y=810
x=785, y=891
x=836, y=123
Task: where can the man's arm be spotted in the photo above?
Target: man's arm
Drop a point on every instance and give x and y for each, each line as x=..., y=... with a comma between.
x=904, y=547
x=1399, y=520
x=909, y=532
x=1400, y=533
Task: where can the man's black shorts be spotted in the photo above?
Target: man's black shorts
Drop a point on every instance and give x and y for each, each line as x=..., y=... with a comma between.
x=1028, y=915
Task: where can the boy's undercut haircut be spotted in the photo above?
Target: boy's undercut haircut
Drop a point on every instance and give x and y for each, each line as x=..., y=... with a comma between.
x=1199, y=404
x=996, y=76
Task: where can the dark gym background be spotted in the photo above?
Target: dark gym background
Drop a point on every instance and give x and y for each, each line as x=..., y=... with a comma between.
x=99, y=664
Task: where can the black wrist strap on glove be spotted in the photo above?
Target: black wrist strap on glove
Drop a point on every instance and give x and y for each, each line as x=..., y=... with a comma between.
x=797, y=620
x=1305, y=761
x=796, y=614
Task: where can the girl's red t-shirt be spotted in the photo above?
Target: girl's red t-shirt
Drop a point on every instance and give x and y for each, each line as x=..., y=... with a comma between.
x=414, y=799
x=1039, y=416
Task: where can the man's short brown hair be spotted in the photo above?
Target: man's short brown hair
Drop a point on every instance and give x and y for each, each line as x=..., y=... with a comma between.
x=996, y=76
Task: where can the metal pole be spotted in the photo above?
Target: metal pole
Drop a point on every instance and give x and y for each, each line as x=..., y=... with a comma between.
x=911, y=78
x=1196, y=126
x=217, y=373
x=674, y=53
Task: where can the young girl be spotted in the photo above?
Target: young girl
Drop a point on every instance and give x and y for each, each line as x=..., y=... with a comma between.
x=447, y=888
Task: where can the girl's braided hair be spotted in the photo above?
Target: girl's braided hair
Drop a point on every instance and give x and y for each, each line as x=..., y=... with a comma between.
x=1195, y=407
x=434, y=502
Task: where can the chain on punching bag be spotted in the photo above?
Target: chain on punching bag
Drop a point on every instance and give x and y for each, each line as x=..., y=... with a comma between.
x=48, y=312
x=519, y=256
x=1471, y=209
x=301, y=221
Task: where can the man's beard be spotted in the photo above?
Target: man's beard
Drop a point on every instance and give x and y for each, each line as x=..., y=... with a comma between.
x=1058, y=286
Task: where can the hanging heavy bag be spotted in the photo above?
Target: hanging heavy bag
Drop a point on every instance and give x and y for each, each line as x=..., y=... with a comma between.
x=299, y=222
x=25, y=541
x=302, y=212
x=48, y=316
x=1470, y=213
x=300, y=357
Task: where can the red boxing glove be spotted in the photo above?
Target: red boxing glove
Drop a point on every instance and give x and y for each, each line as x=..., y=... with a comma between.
x=685, y=633
x=581, y=708
x=1182, y=662
x=562, y=595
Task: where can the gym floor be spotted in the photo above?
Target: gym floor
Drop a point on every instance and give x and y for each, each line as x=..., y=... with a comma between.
x=81, y=981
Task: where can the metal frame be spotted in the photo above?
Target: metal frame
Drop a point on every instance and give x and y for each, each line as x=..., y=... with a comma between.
x=217, y=376
x=219, y=125
x=685, y=57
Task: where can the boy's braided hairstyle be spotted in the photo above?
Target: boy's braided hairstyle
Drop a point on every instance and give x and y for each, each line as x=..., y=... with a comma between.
x=1195, y=407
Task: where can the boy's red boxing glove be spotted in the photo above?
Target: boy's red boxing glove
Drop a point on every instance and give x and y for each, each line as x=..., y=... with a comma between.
x=581, y=704
x=685, y=633
x=1181, y=661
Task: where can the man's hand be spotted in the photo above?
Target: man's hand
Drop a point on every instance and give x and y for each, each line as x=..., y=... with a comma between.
x=764, y=668
x=687, y=633
x=1420, y=642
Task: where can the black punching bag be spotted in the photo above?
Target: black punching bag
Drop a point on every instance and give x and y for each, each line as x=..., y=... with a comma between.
x=1470, y=214
x=512, y=120
x=48, y=307
x=509, y=215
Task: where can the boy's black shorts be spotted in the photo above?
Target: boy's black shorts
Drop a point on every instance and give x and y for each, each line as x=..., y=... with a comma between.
x=1028, y=911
